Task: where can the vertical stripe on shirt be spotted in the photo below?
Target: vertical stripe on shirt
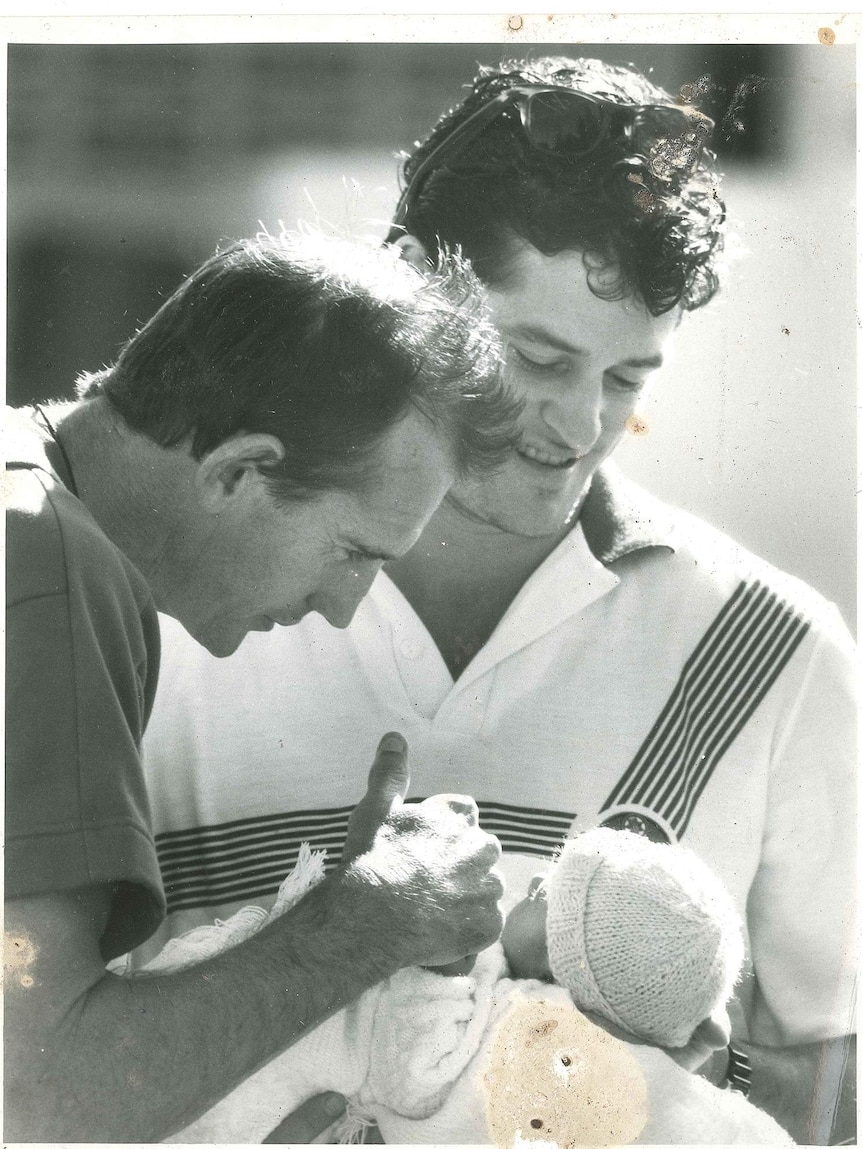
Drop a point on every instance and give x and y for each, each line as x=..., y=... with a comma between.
x=721, y=685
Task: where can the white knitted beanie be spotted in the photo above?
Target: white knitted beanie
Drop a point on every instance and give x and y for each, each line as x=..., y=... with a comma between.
x=642, y=933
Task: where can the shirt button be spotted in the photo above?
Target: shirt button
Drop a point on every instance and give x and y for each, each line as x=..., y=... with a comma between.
x=411, y=649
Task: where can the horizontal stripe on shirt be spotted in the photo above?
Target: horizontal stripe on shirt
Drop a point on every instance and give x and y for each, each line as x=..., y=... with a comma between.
x=250, y=857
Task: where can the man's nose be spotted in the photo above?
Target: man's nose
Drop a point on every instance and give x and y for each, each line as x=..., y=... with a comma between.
x=339, y=599
x=573, y=415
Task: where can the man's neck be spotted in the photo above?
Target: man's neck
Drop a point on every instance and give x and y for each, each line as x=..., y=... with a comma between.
x=463, y=575
x=133, y=488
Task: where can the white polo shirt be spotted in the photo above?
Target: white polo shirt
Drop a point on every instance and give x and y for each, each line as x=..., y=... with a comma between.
x=650, y=673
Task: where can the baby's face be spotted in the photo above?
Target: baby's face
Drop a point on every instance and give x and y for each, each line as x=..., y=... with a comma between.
x=525, y=934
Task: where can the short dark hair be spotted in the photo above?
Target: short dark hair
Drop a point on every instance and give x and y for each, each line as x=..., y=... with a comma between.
x=325, y=344
x=662, y=237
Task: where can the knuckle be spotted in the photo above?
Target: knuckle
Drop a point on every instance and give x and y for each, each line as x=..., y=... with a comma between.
x=460, y=804
x=486, y=932
x=487, y=849
x=495, y=925
x=403, y=820
x=435, y=810
x=496, y=885
x=463, y=804
x=494, y=846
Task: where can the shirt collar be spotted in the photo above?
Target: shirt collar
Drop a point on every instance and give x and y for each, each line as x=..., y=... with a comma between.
x=619, y=517
x=25, y=442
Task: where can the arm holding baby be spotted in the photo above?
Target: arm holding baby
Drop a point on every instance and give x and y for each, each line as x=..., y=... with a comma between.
x=641, y=937
x=644, y=939
x=431, y=857
x=648, y=943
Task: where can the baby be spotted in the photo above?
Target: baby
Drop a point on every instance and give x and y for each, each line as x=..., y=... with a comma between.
x=640, y=936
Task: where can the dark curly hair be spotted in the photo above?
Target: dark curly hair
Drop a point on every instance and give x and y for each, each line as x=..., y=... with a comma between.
x=657, y=238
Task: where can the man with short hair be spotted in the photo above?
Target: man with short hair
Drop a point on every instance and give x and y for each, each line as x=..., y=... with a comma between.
x=559, y=644
x=287, y=421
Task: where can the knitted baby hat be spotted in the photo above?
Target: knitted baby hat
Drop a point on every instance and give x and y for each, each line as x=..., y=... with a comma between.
x=642, y=933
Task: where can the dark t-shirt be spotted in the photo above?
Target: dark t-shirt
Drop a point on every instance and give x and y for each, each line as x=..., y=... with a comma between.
x=82, y=654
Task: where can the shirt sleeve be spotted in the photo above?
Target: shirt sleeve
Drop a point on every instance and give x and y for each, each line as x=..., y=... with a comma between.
x=81, y=644
x=801, y=909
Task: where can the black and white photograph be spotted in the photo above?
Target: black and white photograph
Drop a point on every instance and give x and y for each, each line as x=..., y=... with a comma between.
x=430, y=500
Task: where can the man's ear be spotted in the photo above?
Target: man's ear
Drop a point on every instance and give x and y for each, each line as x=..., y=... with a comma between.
x=233, y=468
x=414, y=252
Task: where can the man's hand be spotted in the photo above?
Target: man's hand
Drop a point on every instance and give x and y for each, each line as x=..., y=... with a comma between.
x=315, y=1123
x=424, y=872
x=93, y=1057
x=309, y=1122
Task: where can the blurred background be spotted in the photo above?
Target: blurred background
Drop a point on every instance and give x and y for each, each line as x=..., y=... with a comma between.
x=128, y=164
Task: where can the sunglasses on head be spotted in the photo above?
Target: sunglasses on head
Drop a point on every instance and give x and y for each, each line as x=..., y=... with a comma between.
x=561, y=120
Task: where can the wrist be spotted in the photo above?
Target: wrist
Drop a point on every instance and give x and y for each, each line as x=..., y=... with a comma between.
x=339, y=935
x=366, y=910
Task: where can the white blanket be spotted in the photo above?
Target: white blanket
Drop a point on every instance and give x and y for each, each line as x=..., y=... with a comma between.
x=421, y=1056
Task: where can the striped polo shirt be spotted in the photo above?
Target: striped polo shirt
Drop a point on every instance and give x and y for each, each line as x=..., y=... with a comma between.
x=651, y=675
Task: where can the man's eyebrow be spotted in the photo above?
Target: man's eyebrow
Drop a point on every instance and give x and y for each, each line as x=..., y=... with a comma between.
x=652, y=361
x=541, y=335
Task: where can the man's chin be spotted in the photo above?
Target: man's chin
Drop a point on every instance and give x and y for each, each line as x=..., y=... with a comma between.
x=540, y=521
x=521, y=509
x=219, y=645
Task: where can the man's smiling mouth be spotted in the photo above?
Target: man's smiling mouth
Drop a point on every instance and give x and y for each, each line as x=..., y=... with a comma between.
x=555, y=459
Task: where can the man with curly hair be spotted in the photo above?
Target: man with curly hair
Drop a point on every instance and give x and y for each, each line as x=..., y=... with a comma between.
x=559, y=644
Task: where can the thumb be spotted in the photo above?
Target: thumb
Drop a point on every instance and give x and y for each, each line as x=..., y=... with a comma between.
x=389, y=777
x=388, y=781
x=308, y=1122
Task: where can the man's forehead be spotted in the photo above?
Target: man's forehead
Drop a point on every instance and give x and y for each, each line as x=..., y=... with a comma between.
x=413, y=459
x=561, y=302
x=398, y=492
x=414, y=439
